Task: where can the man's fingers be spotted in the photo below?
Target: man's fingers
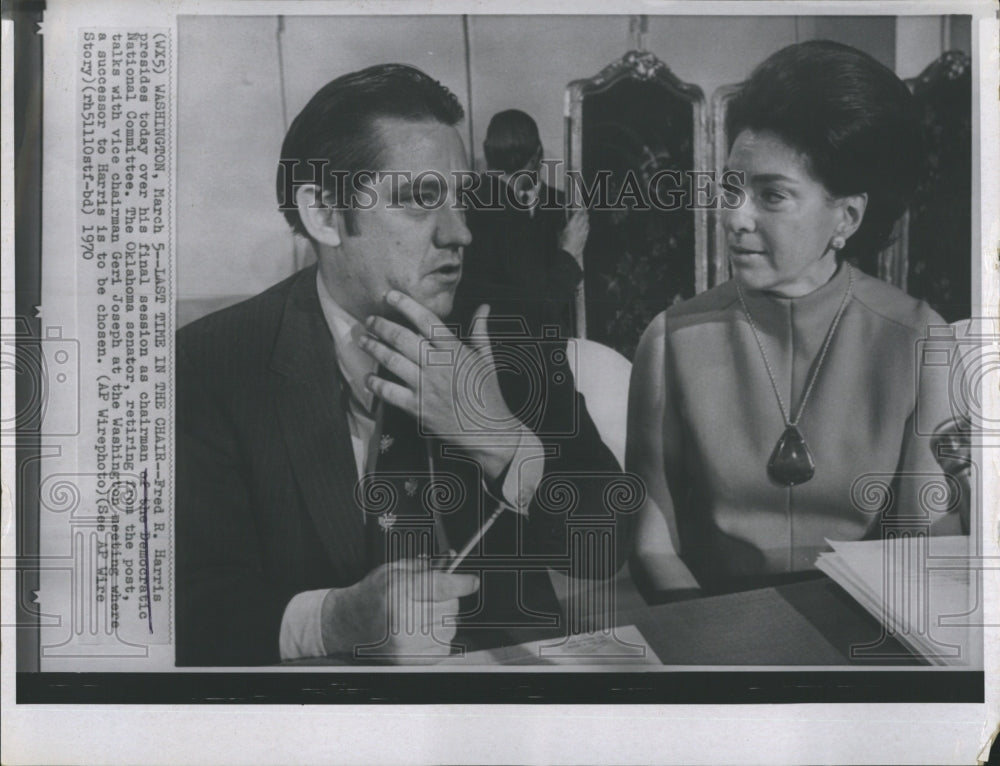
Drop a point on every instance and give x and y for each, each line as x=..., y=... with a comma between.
x=420, y=317
x=427, y=584
x=478, y=328
x=393, y=393
x=404, y=340
x=393, y=361
x=443, y=610
x=445, y=587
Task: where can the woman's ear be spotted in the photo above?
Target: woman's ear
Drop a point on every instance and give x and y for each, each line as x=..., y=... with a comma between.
x=852, y=210
x=321, y=219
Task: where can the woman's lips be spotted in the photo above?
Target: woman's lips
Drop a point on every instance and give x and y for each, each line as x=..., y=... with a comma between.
x=743, y=252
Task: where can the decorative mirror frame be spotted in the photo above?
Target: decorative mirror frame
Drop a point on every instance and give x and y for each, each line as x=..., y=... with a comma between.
x=640, y=65
x=894, y=261
x=720, y=152
x=939, y=80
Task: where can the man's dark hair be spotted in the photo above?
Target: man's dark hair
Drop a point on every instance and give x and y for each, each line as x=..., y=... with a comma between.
x=853, y=118
x=511, y=141
x=338, y=125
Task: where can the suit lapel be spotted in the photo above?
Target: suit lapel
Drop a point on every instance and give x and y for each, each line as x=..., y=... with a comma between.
x=314, y=426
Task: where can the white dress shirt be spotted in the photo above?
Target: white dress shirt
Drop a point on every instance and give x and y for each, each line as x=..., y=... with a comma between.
x=301, y=624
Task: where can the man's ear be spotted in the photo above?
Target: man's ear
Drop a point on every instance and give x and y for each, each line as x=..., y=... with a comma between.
x=321, y=219
x=852, y=210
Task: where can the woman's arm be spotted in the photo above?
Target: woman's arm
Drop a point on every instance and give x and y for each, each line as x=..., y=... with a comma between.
x=924, y=491
x=652, y=432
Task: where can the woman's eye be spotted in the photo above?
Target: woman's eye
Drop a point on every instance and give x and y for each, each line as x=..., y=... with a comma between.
x=772, y=196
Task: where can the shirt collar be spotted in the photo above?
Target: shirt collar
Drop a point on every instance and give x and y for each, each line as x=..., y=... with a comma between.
x=355, y=364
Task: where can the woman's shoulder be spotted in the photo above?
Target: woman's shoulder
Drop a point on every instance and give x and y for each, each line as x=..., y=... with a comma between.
x=890, y=304
x=703, y=309
x=703, y=306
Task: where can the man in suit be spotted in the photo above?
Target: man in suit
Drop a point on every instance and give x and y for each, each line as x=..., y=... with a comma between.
x=525, y=254
x=339, y=445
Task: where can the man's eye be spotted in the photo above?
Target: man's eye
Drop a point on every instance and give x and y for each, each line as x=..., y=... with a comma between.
x=413, y=198
x=428, y=197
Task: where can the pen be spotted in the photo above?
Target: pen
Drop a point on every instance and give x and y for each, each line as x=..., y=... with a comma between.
x=460, y=556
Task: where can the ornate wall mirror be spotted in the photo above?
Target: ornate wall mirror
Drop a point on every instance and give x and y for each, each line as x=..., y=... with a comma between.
x=938, y=241
x=632, y=130
x=720, y=152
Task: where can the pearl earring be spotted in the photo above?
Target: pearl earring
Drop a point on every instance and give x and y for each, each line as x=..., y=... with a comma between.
x=838, y=242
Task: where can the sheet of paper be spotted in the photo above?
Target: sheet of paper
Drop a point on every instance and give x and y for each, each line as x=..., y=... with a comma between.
x=920, y=588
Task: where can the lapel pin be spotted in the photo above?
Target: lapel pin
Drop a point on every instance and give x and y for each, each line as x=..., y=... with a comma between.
x=386, y=520
x=385, y=443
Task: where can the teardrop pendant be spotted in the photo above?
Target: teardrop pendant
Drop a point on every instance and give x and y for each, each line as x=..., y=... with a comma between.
x=791, y=462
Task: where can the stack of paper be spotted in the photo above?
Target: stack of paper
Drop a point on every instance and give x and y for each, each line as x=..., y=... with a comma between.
x=924, y=590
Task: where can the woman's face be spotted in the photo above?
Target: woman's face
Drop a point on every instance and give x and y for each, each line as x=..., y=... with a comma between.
x=779, y=238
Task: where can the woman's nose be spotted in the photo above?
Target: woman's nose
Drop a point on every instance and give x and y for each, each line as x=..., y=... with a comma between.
x=451, y=230
x=741, y=219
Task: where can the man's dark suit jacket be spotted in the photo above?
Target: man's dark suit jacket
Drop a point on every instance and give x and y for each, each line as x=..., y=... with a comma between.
x=516, y=265
x=266, y=474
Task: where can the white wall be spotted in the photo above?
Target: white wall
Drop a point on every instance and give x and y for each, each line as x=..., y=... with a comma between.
x=524, y=63
x=243, y=79
x=230, y=239
x=236, y=98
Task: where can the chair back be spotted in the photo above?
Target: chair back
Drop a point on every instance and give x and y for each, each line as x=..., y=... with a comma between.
x=602, y=377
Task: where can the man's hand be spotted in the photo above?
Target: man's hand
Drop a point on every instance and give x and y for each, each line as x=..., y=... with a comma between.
x=441, y=377
x=398, y=607
x=574, y=236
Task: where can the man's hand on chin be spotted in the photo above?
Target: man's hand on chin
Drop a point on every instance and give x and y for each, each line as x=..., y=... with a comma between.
x=450, y=386
x=396, y=610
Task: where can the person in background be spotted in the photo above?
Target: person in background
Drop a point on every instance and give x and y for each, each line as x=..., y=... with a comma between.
x=525, y=255
x=762, y=409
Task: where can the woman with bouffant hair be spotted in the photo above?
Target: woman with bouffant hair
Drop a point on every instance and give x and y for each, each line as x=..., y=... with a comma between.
x=760, y=409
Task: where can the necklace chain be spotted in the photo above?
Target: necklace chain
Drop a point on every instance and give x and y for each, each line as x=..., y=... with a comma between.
x=822, y=356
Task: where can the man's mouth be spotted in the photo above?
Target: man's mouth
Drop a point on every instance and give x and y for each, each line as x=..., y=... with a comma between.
x=448, y=271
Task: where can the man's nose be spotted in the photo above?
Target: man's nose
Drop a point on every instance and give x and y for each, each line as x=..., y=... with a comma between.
x=451, y=231
x=741, y=219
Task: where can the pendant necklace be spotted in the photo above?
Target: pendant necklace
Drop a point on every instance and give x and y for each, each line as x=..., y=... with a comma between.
x=791, y=461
